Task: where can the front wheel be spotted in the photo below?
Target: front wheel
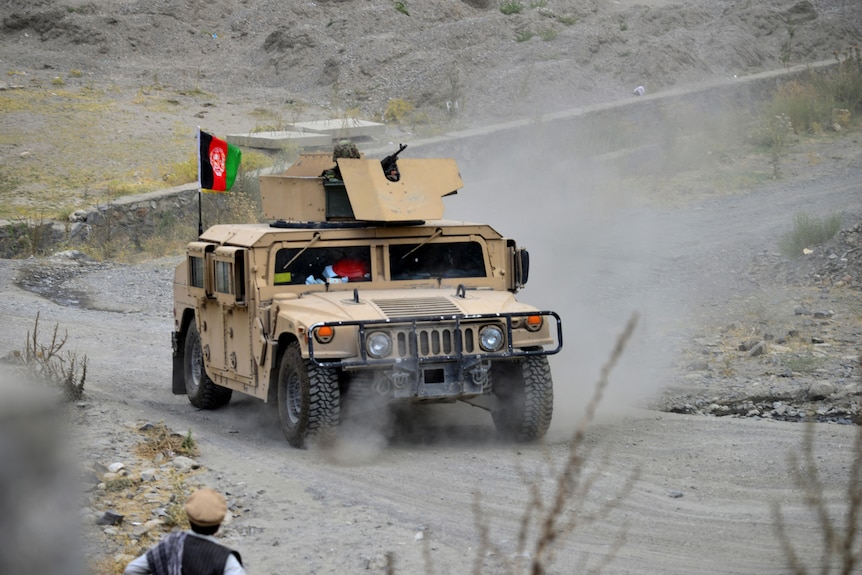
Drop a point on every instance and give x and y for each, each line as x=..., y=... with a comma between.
x=525, y=392
x=308, y=399
x=200, y=389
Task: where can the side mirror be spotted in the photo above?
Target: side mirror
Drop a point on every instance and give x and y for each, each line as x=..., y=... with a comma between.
x=522, y=267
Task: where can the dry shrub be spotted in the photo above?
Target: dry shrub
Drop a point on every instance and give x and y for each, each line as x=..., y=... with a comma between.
x=175, y=511
x=841, y=543
x=804, y=103
x=567, y=508
x=46, y=362
x=808, y=231
x=160, y=440
x=240, y=205
x=183, y=172
x=810, y=101
x=549, y=518
x=25, y=236
x=119, y=484
x=396, y=111
x=107, y=240
x=844, y=84
x=170, y=237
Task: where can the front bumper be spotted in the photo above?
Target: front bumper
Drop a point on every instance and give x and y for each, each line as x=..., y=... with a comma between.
x=439, y=356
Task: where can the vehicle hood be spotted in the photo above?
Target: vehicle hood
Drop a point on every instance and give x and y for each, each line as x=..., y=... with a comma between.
x=316, y=307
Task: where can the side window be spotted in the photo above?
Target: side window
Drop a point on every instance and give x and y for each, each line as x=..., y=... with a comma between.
x=196, y=271
x=229, y=279
x=436, y=260
x=222, y=277
x=199, y=268
x=293, y=266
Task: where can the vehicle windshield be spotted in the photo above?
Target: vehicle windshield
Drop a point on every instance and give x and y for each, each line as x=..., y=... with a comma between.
x=436, y=260
x=413, y=261
x=322, y=265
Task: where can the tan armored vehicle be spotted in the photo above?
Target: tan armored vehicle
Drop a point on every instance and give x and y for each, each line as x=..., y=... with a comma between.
x=359, y=293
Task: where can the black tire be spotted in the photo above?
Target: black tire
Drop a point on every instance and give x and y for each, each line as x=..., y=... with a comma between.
x=525, y=391
x=202, y=392
x=308, y=399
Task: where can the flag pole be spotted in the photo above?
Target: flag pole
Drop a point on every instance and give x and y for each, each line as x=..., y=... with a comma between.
x=200, y=189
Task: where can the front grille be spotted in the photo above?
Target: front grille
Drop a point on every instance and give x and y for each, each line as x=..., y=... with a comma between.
x=434, y=341
x=413, y=307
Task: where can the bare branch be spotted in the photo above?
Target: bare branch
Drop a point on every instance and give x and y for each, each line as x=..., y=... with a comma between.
x=553, y=524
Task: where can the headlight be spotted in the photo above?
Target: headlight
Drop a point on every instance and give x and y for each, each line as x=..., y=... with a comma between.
x=491, y=338
x=378, y=344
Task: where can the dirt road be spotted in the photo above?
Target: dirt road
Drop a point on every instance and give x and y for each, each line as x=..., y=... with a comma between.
x=703, y=489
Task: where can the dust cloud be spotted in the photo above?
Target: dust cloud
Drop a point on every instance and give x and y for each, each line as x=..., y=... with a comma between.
x=597, y=256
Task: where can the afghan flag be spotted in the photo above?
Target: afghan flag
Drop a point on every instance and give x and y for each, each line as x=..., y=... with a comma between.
x=218, y=162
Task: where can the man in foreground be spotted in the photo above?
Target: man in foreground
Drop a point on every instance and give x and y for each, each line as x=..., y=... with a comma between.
x=194, y=552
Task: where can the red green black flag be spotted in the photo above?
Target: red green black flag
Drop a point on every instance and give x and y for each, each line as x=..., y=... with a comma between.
x=218, y=162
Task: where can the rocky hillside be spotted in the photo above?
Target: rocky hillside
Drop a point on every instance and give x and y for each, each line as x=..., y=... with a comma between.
x=462, y=57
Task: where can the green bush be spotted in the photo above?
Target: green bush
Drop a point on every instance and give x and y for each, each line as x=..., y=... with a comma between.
x=396, y=110
x=182, y=172
x=511, y=7
x=807, y=106
x=253, y=160
x=808, y=231
x=548, y=34
x=844, y=83
x=810, y=101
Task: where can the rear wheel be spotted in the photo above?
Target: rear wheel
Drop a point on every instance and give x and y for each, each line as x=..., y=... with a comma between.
x=308, y=399
x=525, y=392
x=200, y=389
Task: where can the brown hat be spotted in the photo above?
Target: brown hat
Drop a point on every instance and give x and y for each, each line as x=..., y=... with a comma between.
x=206, y=507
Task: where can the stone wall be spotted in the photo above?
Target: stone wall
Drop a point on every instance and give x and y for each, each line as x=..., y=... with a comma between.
x=140, y=215
x=135, y=217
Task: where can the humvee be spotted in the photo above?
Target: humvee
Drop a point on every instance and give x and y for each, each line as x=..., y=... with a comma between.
x=359, y=293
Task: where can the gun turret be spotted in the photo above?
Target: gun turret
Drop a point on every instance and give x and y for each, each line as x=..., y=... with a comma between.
x=388, y=163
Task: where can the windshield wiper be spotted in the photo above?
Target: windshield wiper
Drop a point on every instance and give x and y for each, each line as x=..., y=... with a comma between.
x=311, y=242
x=437, y=233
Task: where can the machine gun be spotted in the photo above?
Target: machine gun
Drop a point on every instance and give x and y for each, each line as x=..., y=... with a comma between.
x=388, y=163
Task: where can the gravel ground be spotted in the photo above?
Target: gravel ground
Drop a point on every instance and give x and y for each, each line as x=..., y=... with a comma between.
x=700, y=425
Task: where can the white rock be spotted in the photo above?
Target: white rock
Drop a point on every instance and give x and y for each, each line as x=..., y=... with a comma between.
x=184, y=463
x=820, y=390
x=149, y=475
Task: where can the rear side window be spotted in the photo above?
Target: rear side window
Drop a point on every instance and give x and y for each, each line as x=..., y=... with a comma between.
x=436, y=260
x=222, y=277
x=196, y=271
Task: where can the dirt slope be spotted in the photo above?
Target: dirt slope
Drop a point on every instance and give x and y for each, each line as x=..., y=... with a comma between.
x=104, y=97
x=341, y=55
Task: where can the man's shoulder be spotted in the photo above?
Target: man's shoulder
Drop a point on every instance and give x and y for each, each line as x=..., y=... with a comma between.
x=203, y=545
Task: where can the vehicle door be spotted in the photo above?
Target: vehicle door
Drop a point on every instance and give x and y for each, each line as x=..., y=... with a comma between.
x=231, y=338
